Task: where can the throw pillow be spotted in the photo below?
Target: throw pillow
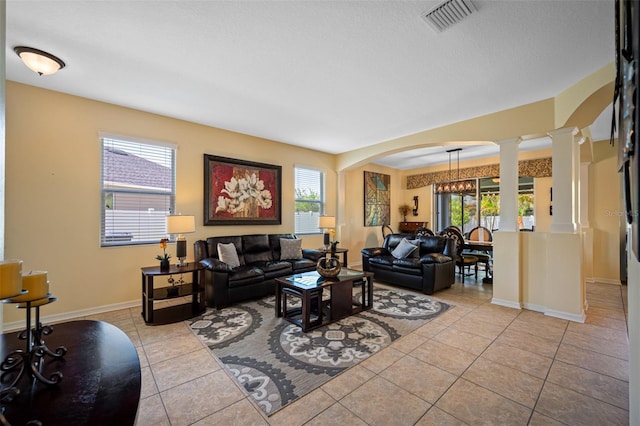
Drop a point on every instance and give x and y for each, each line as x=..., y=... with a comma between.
x=415, y=253
x=228, y=254
x=290, y=248
x=404, y=249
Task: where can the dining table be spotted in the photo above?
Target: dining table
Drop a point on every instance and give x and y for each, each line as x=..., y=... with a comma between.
x=483, y=246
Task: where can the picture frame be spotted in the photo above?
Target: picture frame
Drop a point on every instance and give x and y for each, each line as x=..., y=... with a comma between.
x=239, y=192
x=377, y=199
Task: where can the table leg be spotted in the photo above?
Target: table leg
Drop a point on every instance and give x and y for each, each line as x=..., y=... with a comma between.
x=306, y=310
x=278, y=299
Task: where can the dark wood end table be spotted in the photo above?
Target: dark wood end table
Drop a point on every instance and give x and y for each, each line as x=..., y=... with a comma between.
x=178, y=312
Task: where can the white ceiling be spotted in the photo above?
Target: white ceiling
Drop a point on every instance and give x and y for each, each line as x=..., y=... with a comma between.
x=328, y=75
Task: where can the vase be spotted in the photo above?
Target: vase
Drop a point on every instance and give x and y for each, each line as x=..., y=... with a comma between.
x=328, y=267
x=165, y=265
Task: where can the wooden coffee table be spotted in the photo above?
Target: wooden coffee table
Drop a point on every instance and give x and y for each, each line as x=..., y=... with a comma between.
x=340, y=303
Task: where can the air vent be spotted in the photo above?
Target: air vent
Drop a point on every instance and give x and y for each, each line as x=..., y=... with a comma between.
x=448, y=13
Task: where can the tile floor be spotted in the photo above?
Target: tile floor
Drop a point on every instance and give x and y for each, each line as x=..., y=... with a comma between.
x=476, y=364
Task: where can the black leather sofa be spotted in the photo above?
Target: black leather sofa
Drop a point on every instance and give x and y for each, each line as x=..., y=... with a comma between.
x=260, y=264
x=428, y=269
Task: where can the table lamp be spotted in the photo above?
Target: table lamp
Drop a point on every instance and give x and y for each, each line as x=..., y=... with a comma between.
x=326, y=222
x=179, y=225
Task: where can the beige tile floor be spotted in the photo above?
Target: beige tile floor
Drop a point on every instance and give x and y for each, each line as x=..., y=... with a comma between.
x=476, y=364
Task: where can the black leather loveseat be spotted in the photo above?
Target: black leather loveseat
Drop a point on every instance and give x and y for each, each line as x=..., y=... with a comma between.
x=429, y=268
x=260, y=262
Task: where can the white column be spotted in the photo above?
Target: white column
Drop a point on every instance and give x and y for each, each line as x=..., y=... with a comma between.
x=509, y=184
x=563, y=152
x=507, y=289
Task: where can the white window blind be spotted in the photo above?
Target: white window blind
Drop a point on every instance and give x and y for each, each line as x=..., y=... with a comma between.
x=309, y=199
x=138, y=191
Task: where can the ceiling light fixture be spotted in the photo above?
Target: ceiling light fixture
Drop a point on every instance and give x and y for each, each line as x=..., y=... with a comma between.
x=458, y=186
x=38, y=60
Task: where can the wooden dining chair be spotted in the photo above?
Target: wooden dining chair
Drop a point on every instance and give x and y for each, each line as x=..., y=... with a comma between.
x=463, y=261
x=480, y=233
x=386, y=230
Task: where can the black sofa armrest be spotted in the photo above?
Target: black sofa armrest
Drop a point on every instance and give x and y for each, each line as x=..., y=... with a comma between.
x=375, y=251
x=214, y=264
x=435, y=258
x=312, y=254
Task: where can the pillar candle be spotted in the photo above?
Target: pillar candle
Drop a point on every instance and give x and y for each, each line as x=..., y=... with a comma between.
x=10, y=278
x=35, y=282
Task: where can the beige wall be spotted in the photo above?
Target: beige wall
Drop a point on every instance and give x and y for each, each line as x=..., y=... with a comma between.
x=53, y=198
x=605, y=212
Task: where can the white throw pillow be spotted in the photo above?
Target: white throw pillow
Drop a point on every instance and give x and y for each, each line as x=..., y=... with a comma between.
x=228, y=254
x=290, y=248
x=404, y=249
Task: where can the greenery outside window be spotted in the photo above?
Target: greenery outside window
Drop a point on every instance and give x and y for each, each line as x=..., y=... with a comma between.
x=309, y=200
x=138, y=191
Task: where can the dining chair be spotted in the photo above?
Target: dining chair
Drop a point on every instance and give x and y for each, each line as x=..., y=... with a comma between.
x=422, y=232
x=463, y=261
x=480, y=233
x=386, y=230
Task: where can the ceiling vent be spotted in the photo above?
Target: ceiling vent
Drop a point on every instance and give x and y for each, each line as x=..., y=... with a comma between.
x=448, y=13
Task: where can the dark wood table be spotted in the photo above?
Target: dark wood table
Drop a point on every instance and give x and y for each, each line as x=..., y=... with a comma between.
x=482, y=246
x=338, y=250
x=340, y=303
x=177, y=312
x=100, y=378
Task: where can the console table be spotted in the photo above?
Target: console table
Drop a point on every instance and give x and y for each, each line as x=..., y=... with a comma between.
x=410, y=227
x=178, y=312
x=101, y=378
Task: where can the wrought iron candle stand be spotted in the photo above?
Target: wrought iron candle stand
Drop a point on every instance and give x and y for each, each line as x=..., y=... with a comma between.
x=31, y=360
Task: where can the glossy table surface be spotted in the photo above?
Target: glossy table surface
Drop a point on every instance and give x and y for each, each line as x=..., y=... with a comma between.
x=100, y=384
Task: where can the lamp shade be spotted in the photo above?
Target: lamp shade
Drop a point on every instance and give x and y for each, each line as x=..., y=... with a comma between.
x=327, y=222
x=39, y=61
x=179, y=224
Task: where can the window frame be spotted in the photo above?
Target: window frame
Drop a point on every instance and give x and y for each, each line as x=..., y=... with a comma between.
x=321, y=202
x=120, y=238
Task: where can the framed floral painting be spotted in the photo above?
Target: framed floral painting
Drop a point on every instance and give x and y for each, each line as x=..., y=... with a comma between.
x=238, y=192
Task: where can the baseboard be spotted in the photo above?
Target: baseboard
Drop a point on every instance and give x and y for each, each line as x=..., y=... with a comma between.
x=605, y=281
x=66, y=316
x=567, y=316
x=506, y=303
x=556, y=314
x=532, y=307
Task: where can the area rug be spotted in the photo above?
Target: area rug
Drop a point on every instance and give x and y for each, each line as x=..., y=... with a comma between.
x=277, y=363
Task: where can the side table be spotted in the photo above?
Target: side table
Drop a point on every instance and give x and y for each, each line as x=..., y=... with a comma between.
x=342, y=251
x=177, y=312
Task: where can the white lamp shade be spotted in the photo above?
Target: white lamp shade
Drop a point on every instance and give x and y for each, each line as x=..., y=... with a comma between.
x=179, y=224
x=327, y=222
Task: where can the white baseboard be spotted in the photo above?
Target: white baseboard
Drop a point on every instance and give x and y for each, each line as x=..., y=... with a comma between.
x=558, y=314
x=506, y=303
x=567, y=316
x=604, y=281
x=66, y=316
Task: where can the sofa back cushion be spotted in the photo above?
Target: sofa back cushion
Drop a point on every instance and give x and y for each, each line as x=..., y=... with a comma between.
x=274, y=242
x=255, y=248
x=212, y=246
x=428, y=243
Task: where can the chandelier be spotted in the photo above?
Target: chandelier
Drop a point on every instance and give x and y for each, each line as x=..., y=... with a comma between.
x=455, y=186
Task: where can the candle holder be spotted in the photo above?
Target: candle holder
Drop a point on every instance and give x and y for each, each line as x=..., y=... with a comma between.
x=31, y=360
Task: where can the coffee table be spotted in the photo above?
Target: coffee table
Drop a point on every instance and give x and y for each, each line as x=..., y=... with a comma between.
x=340, y=303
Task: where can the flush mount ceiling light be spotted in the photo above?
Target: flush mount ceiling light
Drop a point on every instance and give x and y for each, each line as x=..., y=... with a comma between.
x=38, y=60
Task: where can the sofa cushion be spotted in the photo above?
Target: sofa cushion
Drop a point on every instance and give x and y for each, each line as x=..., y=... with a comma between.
x=245, y=275
x=290, y=248
x=255, y=248
x=228, y=254
x=404, y=249
x=302, y=264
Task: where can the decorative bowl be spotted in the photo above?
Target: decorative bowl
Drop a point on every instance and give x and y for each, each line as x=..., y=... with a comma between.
x=328, y=267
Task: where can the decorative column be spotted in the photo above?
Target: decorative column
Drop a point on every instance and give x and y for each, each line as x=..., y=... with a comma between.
x=563, y=279
x=506, y=243
x=563, y=152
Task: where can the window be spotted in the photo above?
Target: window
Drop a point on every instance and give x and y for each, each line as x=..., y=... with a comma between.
x=464, y=209
x=309, y=200
x=138, y=191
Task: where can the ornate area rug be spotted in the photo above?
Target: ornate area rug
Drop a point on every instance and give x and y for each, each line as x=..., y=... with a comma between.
x=277, y=363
